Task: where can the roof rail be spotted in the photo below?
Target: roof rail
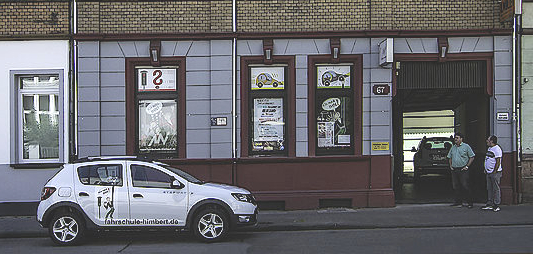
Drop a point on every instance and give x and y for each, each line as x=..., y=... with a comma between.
x=108, y=158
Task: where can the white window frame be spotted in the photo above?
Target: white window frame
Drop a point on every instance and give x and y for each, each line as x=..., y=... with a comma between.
x=17, y=115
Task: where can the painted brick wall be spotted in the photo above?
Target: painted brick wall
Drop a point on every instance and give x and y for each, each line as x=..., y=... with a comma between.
x=36, y=18
x=118, y=17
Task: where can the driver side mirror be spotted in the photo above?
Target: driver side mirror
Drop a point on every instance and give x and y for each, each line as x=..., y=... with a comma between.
x=413, y=149
x=177, y=185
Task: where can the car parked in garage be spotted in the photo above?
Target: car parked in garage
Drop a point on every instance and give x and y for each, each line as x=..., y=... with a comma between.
x=430, y=156
x=133, y=193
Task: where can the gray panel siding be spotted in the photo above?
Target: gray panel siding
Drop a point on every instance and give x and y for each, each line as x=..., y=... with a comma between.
x=23, y=185
x=502, y=96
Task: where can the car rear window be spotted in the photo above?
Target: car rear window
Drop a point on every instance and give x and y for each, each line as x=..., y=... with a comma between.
x=437, y=144
x=107, y=175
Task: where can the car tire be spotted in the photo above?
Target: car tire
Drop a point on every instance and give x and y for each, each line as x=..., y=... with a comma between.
x=275, y=84
x=211, y=225
x=341, y=78
x=66, y=229
x=260, y=84
x=326, y=83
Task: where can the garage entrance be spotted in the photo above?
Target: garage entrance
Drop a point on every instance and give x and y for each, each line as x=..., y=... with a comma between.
x=434, y=100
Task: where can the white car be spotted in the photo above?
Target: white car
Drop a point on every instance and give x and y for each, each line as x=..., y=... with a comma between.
x=132, y=193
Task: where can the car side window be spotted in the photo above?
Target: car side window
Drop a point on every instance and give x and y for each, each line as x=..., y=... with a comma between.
x=149, y=177
x=105, y=175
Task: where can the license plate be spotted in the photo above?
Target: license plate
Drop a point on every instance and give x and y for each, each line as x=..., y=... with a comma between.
x=438, y=157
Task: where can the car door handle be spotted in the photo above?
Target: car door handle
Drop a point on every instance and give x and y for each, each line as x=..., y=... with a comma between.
x=83, y=194
x=137, y=196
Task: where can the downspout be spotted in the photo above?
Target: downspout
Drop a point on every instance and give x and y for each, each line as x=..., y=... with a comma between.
x=234, y=94
x=72, y=100
x=517, y=91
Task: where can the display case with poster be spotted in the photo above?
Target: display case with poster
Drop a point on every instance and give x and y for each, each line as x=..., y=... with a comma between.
x=334, y=110
x=158, y=126
x=267, y=100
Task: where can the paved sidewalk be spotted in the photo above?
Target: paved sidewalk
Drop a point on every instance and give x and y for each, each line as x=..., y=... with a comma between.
x=401, y=216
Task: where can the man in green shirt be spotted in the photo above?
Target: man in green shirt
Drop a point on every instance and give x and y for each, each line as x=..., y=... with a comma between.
x=460, y=157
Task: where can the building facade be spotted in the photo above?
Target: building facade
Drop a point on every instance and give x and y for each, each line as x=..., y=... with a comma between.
x=301, y=102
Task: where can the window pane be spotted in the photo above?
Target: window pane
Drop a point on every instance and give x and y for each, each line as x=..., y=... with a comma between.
x=158, y=126
x=27, y=102
x=149, y=177
x=101, y=175
x=334, y=120
x=40, y=132
x=268, y=125
x=44, y=102
x=40, y=81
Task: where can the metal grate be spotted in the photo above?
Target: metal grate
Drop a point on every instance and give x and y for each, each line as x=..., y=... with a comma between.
x=445, y=75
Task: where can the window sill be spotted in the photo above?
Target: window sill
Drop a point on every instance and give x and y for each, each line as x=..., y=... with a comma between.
x=37, y=165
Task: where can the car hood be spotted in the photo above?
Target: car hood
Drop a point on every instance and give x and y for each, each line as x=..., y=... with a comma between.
x=230, y=188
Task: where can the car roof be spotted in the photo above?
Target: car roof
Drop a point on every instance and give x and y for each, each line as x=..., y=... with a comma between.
x=112, y=158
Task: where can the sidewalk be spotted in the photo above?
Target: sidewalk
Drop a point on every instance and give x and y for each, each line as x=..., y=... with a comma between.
x=402, y=216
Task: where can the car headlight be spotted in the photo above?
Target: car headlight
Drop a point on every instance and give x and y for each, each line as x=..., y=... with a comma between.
x=244, y=197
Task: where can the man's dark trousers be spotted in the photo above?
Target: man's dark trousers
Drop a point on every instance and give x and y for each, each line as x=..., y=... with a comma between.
x=461, y=186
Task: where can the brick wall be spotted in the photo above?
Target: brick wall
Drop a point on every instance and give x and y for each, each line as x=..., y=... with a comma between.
x=117, y=17
x=435, y=15
x=44, y=18
x=302, y=15
x=36, y=18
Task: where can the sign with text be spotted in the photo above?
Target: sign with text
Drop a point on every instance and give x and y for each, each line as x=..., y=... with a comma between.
x=381, y=89
x=160, y=79
x=380, y=146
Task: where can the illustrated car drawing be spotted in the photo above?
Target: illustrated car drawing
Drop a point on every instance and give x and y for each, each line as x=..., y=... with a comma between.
x=265, y=79
x=329, y=77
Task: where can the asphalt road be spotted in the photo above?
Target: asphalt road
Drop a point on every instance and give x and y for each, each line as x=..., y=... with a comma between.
x=485, y=239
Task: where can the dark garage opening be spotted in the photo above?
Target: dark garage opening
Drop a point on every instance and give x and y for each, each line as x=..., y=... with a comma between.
x=435, y=99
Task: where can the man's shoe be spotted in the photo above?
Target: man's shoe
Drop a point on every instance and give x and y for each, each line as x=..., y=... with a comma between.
x=496, y=209
x=457, y=205
x=470, y=206
x=487, y=207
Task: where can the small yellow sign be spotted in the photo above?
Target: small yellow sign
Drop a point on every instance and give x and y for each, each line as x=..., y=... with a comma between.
x=380, y=146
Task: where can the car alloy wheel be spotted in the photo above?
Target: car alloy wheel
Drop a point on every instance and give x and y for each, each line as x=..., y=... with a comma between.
x=211, y=225
x=66, y=229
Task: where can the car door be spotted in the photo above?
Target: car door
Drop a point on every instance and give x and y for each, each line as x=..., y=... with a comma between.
x=102, y=192
x=154, y=201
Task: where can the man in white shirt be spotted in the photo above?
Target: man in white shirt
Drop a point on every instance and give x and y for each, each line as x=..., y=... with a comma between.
x=493, y=170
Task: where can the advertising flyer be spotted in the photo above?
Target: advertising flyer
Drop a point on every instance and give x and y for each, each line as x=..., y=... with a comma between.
x=162, y=79
x=268, y=124
x=333, y=76
x=332, y=123
x=158, y=125
x=265, y=78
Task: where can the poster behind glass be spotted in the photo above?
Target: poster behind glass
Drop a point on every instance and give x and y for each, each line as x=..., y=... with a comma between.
x=334, y=122
x=158, y=123
x=269, y=124
x=267, y=78
x=333, y=76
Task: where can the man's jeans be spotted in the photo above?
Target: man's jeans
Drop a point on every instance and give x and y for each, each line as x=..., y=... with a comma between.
x=493, y=188
x=461, y=186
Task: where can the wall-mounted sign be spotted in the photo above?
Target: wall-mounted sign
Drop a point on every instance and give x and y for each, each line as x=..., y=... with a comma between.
x=386, y=52
x=381, y=89
x=502, y=116
x=332, y=122
x=269, y=124
x=263, y=78
x=161, y=79
x=380, y=146
x=333, y=76
x=219, y=121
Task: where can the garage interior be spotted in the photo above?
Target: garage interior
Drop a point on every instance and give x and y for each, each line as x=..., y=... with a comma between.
x=437, y=99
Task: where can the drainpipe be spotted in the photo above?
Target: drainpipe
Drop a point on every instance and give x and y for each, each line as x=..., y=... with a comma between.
x=517, y=90
x=72, y=100
x=234, y=94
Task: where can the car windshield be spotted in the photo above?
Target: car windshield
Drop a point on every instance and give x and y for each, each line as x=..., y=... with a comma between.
x=437, y=144
x=183, y=174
